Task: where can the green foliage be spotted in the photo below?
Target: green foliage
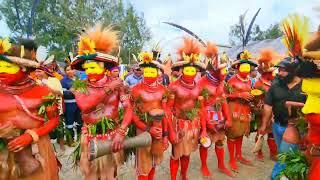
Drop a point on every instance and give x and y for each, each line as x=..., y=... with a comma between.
x=76, y=154
x=121, y=114
x=50, y=100
x=296, y=165
x=205, y=93
x=101, y=127
x=228, y=88
x=57, y=23
x=301, y=123
x=3, y=144
x=272, y=32
x=191, y=114
x=80, y=85
x=254, y=123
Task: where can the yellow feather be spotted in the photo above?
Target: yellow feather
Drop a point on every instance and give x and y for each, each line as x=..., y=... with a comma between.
x=5, y=45
x=146, y=57
x=296, y=30
x=246, y=55
x=22, y=51
x=86, y=46
x=105, y=38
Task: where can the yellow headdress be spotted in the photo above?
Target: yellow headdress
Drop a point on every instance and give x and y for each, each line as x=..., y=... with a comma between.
x=296, y=30
x=97, y=43
x=189, y=54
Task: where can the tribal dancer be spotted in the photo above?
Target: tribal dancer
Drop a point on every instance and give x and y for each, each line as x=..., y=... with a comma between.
x=149, y=101
x=218, y=117
x=266, y=63
x=98, y=99
x=310, y=71
x=188, y=108
x=239, y=98
x=29, y=114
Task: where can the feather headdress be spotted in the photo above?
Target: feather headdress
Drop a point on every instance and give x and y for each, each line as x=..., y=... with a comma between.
x=189, y=54
x=190, y=50
x=245, y=58
x=86, y=46
x=211, y=52
x=97, y=43
x=5, y=45
x=23, y=54
x=146, y=57
x=156, y=51
x=267, y=60
x=310, y=65
x=104, y=38
x=147, y=60
x=296, y=30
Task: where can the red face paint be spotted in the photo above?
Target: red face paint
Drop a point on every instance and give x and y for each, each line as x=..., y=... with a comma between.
x=95, y=77
x=188, y=78
x=149, y=80
x=12, y=78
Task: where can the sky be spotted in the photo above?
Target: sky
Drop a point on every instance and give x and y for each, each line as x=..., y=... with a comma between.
x=210, y=19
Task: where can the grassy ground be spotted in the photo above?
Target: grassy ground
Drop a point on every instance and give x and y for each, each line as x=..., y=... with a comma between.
x=259, y=171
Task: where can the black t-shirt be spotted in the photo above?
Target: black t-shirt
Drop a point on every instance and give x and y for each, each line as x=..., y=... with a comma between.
x=277, y=96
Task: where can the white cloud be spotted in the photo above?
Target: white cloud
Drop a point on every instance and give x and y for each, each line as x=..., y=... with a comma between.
x=211, y=19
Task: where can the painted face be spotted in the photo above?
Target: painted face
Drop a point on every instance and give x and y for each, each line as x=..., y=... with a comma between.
x=93, y=68
x=224, y=71
x=8, y=68
x=150, y=72
x=189, y=71
x=10, y=72
x=244, y=68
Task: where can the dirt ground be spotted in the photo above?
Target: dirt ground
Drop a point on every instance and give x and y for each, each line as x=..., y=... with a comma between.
x=259, y=171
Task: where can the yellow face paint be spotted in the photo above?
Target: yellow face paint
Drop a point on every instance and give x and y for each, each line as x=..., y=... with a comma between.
x=150, y=72
x=9, y=68
x=189, y=70
x=224, y=71
x=245, y=68
x=92, y=68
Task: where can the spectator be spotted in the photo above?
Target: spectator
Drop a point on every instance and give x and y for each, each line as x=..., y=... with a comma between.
x=114, y=72
x=72, y=111
x=175, y=74
x=163, y=78
x=135, y=77
x=253, y=75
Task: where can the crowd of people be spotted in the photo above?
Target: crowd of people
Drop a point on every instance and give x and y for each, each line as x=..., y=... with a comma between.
x=205, y=100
